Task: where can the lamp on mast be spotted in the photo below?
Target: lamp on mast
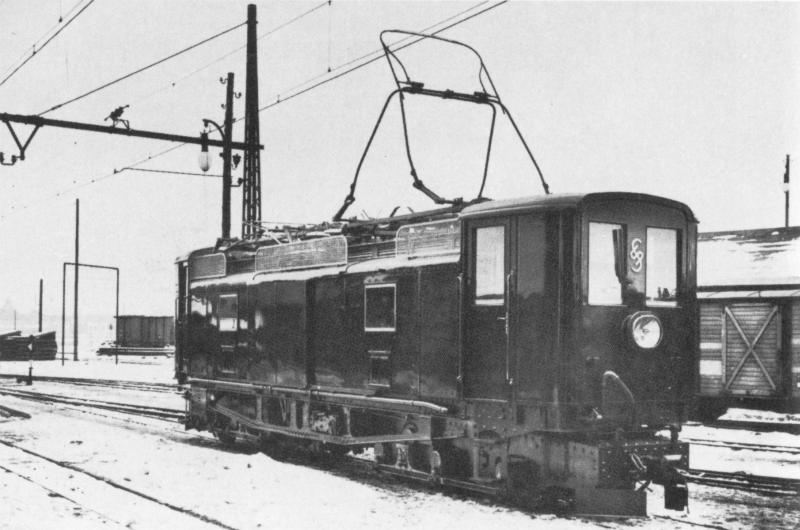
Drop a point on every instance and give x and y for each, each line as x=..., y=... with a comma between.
x=204, y=159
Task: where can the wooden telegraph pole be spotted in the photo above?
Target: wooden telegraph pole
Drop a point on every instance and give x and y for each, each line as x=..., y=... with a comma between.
x=41, y=289
x=75, y=307
x=786, y=191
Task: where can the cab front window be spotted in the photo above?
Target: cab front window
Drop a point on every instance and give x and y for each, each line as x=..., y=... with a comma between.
x=604, y=286
x=662, y=266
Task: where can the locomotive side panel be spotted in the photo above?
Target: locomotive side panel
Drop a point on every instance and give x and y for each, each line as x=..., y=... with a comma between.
x=535, y=305
x=262, y=347
x=438, y=331
x=403, y=342
x=289, y=333
x=336, y=344
x=794, y=357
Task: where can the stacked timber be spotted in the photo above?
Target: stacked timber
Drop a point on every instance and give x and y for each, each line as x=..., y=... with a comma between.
x=39, y=346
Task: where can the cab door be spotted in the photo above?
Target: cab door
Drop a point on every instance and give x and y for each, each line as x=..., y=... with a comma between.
x=487, y=309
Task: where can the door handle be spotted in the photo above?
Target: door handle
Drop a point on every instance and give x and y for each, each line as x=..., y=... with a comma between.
x=507, y=321
x=507, y=317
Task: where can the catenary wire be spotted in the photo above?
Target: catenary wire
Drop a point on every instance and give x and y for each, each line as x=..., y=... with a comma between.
x=44, y=35
x=337, y=76
x=151, y=157
x=379, y=51
x=370, y=61
x=62, y=28
x=220, y=58
x=140, y=70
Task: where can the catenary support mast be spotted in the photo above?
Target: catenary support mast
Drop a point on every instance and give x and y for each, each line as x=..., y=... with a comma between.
x=251, y=187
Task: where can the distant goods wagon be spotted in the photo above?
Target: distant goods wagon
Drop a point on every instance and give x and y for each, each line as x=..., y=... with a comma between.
x=749, y=296
x=137, y=331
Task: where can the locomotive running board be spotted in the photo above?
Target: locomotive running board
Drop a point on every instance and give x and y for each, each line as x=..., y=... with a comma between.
x=318, y=436
x=340, y=398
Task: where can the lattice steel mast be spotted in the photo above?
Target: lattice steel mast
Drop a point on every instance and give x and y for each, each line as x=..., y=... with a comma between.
x=251, y=184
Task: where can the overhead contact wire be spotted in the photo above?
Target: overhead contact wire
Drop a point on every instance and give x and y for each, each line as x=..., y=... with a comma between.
x=140, y=70
x=374, y=59
x=218, y=59
x=44, y=35
x=377, y=52
x=161, y=153
x=62, y=28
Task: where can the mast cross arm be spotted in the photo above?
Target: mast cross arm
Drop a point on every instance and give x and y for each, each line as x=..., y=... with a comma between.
x=38, y=122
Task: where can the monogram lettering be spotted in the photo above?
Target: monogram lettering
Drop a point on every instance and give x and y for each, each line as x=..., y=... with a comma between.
x=636, y=254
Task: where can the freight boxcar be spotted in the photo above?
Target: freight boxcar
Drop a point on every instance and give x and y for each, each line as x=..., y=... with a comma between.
x=749, y=295
x=139, y=331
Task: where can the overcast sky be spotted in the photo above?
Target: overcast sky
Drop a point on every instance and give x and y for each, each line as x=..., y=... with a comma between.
x=696, y=102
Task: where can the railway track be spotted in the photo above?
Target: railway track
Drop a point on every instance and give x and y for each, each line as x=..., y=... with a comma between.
x=112, y=383
x=743, y=445
x=739, y=481
x=758, y=426
x=94, y=486
x=162, y=413
x=744, y=481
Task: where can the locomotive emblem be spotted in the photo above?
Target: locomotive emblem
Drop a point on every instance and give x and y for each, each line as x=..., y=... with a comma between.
x=636, y=254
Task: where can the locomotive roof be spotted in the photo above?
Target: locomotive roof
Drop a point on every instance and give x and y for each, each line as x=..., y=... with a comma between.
x=747, y=259
x=566, y=201
x=376, y=265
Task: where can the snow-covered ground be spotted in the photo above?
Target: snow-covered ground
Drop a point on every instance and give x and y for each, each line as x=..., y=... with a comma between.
x=90, y=365
x=131, y=472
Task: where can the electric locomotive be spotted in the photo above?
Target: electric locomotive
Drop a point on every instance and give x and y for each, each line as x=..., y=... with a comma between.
x=540, y=349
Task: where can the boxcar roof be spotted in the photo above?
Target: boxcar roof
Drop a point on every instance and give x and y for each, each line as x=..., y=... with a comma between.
x=565, y=201
x=745, y=259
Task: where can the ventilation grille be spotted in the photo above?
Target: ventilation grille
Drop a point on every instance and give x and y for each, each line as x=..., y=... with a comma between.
x=429, y=239
x=207, y=266
x=321, y=252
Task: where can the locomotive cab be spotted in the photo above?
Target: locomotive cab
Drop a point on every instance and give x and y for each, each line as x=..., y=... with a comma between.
x=579, y=316
x=633, y=337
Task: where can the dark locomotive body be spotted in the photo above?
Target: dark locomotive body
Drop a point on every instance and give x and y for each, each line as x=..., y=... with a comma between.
x=488, y=347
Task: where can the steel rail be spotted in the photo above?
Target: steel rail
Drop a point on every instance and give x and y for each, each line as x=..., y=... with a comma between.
x=117, y=485
x=745, y=482
x=112, y=383
x=137, y=410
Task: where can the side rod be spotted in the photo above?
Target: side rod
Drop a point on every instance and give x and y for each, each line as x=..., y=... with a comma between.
x=39, y=121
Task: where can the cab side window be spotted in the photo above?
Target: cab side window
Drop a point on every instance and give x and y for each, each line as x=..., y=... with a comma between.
x=228, y=312
x=380, y=307
x=490, y=265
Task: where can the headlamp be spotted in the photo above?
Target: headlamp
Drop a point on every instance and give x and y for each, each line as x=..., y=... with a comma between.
x=646, y=330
